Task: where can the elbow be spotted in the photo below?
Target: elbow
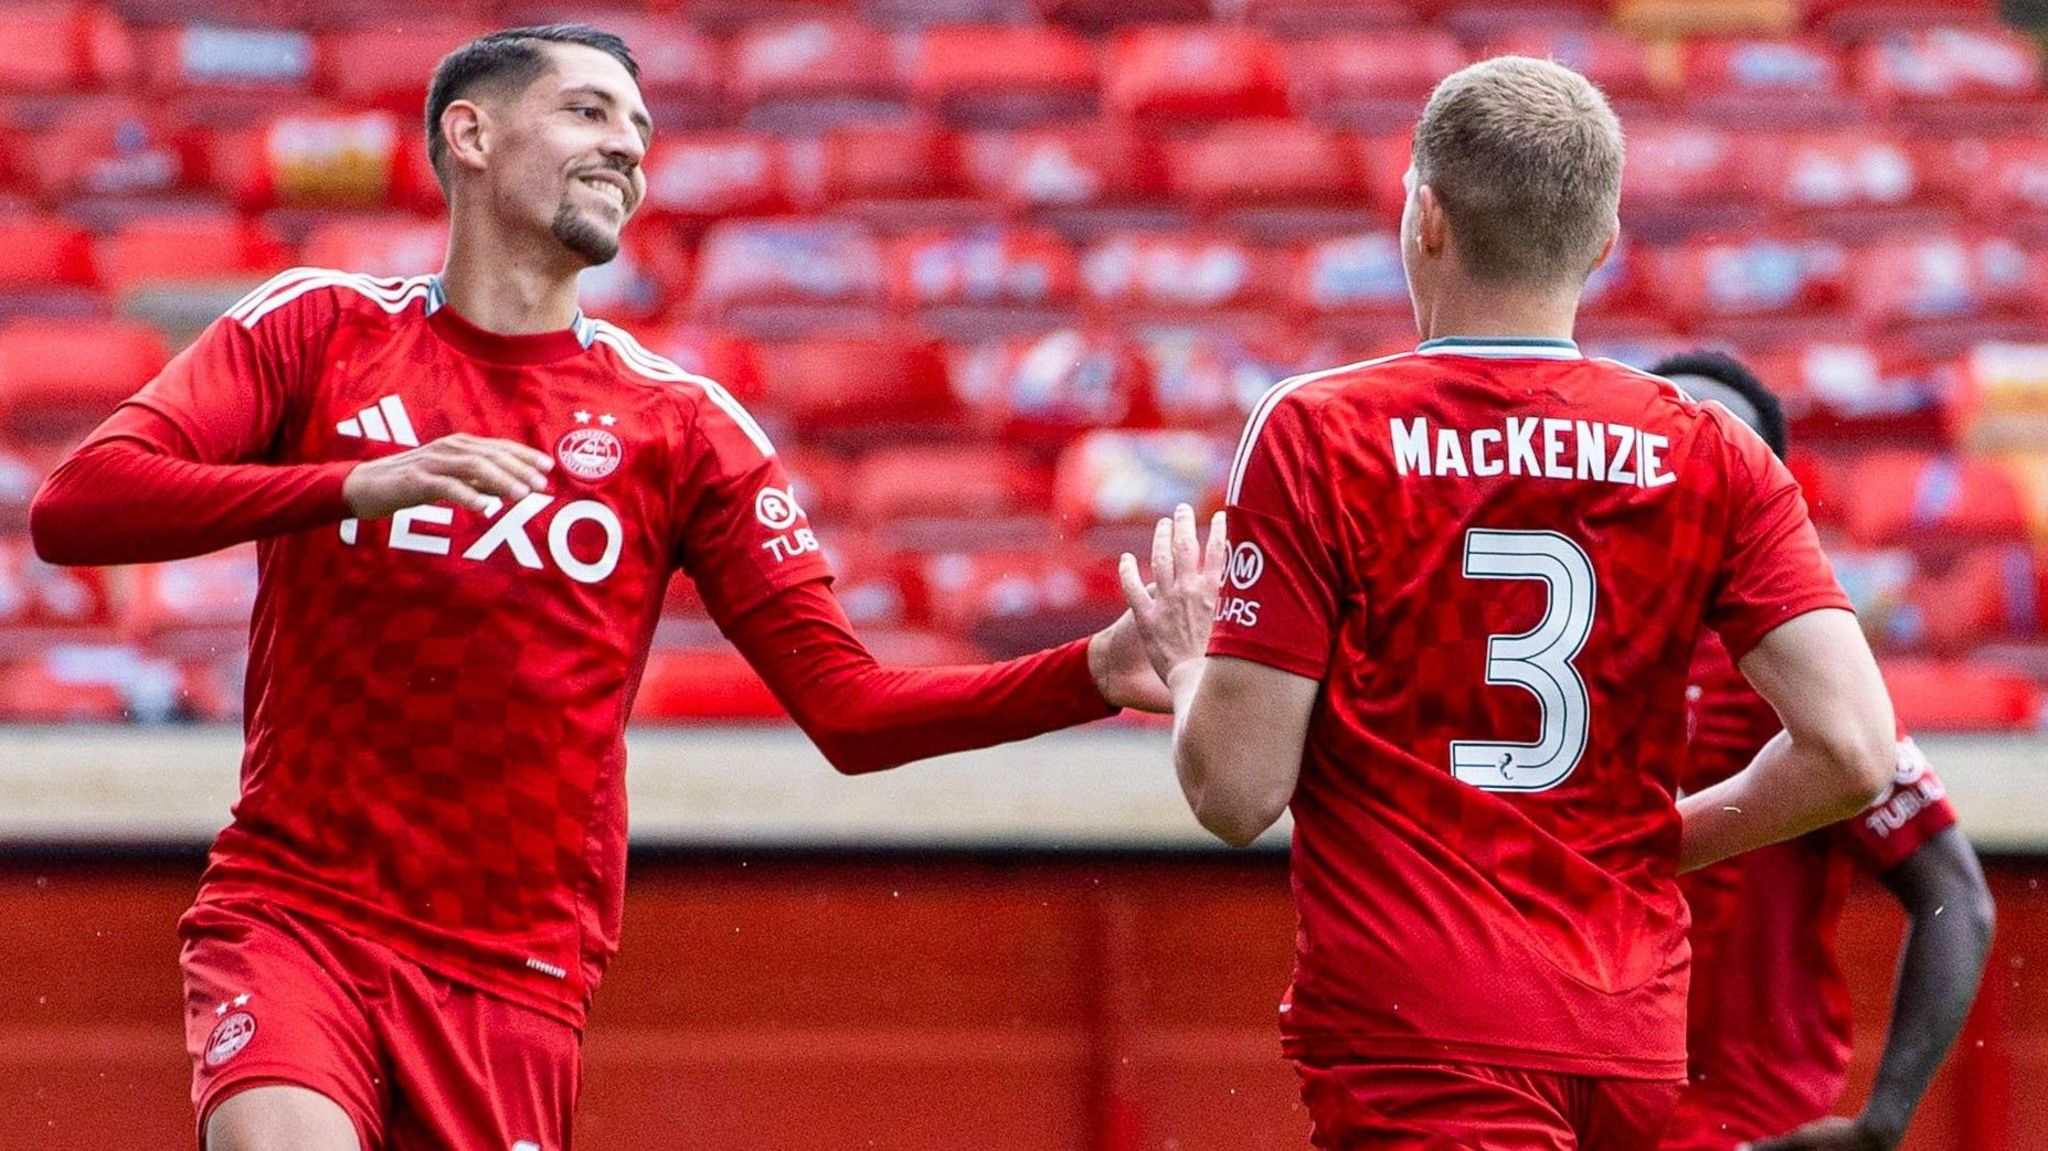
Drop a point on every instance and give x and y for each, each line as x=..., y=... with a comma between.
x=1236, y=821
x=1864, y=758
x=51, y=527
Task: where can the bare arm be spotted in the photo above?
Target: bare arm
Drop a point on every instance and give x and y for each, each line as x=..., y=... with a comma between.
x=1834, y=758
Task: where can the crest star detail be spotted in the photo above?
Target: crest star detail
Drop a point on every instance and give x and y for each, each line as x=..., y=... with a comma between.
x=582, y=417
x=607, y=419
x=242, y=1000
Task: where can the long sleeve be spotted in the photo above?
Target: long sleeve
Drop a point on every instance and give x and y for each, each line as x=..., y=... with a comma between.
x=867, y=717
x=133, y=493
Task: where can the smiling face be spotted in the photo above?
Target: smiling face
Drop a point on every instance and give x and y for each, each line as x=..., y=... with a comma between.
x=565, y=153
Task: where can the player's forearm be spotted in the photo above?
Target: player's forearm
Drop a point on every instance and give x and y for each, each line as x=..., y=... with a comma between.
x=119, y=501
x=1948, y=939
x=1237, y=776
x=1791, y=788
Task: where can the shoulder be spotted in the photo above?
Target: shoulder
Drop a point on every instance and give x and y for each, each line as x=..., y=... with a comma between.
x=303, y=292
x=1292, y=408
x=703, y=401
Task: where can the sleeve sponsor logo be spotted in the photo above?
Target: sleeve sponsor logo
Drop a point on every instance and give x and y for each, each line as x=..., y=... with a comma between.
x=1247, y=564
x=777, y=510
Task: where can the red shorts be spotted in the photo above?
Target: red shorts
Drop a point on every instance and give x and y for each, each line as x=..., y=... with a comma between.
x=417, y=1060
x=1470, y=1107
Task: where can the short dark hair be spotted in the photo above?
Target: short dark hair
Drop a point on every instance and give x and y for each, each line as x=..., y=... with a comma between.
x=1725, y=369
x=510, y=59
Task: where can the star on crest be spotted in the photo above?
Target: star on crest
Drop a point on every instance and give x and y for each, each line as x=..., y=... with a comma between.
x=582, y=417
x=607, y=419
x=242, y=1000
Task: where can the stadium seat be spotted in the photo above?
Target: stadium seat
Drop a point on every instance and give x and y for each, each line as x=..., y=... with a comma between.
x=822, y=483
x=699, y=177
x=1931, y=502
x=1988, y=593
x=114, y=147
x=1857, y=394
x=1759, y=291
x=1656, y=20
x=944, y=482
x=711, y=683
x=227, y=76
x=191, y=607
x=1736, y=82
x=651, y=273
x=721, y=17
x=1878, y=582
x=2002, y=398
x=1849, y=184
x=1011, y=601
x=780, y=278
x=1274, y=181
x=40, y=602
x=1966, y=80
x=732, y=360
x=383, y=244
x=1040, y=391
x=807, y=75
x=1853, y=20
x=48, y=687
x=1682, y=178
x=1621, y=65
x=385, y=65
x=1371, y=82
x=858, y=390
x=59, y=48
x=1082, y=181
x=1209, y=378
x=1945, y=291
x=1961, y=695
x=971, y=283
x=1194, y=72
x=40, y=252
x=1478, y=21
x=1293, y=18
x=682, y=71
x=2001, y=181
x=894, y=177
x=1150, y=278
x=1351, y=278
x=60, y=378
x=188, y=251
x=1110, y=477
x=315, y=160
x=1004, y=77
x=1621, y=300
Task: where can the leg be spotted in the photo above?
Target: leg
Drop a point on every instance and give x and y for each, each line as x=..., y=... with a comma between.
x=280, y=1117
x=1635, y=1114
x=1432, y=1107
x=472, y=1070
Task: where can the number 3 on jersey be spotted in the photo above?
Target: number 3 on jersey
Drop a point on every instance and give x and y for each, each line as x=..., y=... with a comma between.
x=1538, y=660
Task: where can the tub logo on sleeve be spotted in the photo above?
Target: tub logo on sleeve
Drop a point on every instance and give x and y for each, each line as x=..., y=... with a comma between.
x=591, y=453
x=236, y=1028
x=777, y=510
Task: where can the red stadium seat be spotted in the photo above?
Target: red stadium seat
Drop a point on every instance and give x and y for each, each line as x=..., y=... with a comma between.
x=1945, y=291
x=1318, y=17
x=725, y=16
x=2002, y=397
x=60, y=378
x=1960, y=695
x=317, y=160
x=1759, y=291
x=1989, y=593
x=1210, y=378
x=188, y=250
x=1175, y=277
x=110, y=147
x=712, y=683
x=1851, y=184
x=1194, y=72
x=2002, y=181
x=1477, y=21
x=732, y=360
x=1082, y=180
x=40, y=602
x=38, y=251
x=1347, y=278
x=378, y=245
x=823, y=486
x=1857, y=394
x=1682, y=178
x=810, y=74
x=1041, y=390
x=189, y=606
x=858, y=390
x=1736, y=82
x=1621, y=300
x=1005, y=76
x=1119, y=477
x=681, y=70
x=1920, y=500
x=387, y=66
x=1851, y=20
x=1878, y=582
x=971, y=283
x=788, y=277
x=704, y=176
x=651, y=273
x=895, y=177
x=59, y=48
x=945, y=483
x=1276, y=181
x=1373, y=82
x=1101, y=15
x=1011, y=601
x=1970, y=80
x=32, y=690
x=1621, y=65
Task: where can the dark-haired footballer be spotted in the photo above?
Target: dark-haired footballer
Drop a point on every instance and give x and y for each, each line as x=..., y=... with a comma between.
x=1768, y=1028
x=469, y=497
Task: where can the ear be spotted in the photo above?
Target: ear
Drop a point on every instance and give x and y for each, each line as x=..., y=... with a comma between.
x=1432, y=226
x=1607, y=249
x=465, y=128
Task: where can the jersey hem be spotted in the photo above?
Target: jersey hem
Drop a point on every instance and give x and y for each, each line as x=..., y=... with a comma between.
x=1294, y=663
x=1334, y=1047
x=1741, y=643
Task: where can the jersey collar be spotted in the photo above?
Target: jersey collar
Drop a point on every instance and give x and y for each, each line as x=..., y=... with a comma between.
x=458, y=330
x=1501, y=348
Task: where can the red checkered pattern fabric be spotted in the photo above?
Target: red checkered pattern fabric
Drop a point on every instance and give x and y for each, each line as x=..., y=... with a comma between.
x=1497, y=556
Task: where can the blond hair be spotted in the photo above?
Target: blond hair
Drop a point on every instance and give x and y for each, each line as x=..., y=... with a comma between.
x=1525, y=157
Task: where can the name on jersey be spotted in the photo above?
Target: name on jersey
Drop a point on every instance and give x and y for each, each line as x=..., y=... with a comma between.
x=1545, y=448
x=424, y=529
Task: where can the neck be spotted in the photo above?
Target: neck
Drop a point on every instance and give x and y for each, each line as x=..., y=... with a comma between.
x=503, y=285
x=1490, y=311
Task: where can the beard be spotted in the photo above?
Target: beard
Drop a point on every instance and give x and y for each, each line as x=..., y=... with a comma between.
x=576, y=232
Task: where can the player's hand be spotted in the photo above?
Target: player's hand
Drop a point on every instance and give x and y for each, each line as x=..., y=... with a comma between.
x=464, y=470
x=1123, y=671
x=1833, y=1133
x=1174, y=614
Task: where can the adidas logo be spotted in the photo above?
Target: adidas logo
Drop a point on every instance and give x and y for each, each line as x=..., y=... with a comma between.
x=385, y=422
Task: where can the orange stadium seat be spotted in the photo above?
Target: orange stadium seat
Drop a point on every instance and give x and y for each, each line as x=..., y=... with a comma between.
x=1004, y=76
x=1736, y=82
x=59, y=378
x=1945, y=291
x=1759, y=291
x=2002, y=399
x=1969, y=80
x=1317, y=17
x=61, y=48
x=715, y=174
x=790, y=276
x=970, y=283
x=386, y=65
x=1194, y=72
x=896, y=177
x=188, y=250
x=1852, y=184
x=1372, y=82
x=1150, y=278
x=858, y=390
x=1110, y=477
x=1682, y=178
x=702, y=683
x=316, y=160
x=1081, y=180
x=809, y=74
x=1274, y=181
x=1931, y=502
x=1960, y=695
x=1040, y=391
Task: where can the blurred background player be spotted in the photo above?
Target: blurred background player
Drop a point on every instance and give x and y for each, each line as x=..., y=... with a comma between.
x=1767, y=1035
x=470, y=498
x=1463, y=588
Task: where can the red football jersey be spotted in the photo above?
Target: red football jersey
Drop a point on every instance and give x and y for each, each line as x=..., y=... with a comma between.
x=437, y=701
x=1769, y=1034
x=1497, y=557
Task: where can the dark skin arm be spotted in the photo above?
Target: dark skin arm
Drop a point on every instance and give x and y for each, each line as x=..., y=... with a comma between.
x=1948, y=938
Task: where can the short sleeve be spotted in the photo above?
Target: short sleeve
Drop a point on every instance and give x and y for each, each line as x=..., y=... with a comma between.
x=235, y=388
x=1914, y=810
x=1278, y=603
x=741, y=535
x=1774, y=570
